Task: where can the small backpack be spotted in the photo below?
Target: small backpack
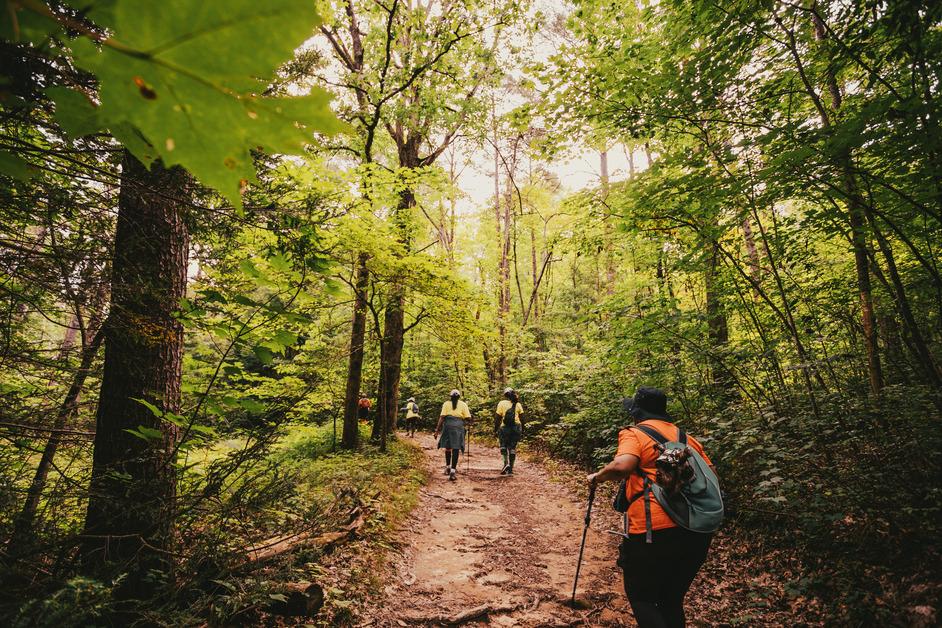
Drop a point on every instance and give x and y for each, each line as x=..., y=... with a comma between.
x=684, y=485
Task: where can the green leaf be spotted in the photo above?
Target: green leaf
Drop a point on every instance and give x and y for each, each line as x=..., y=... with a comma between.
x=21, y=24
x=204, y=429
x=252, y=406
x=132, y=139
x=186, y=74
x=248, y=267
x=241, y=299
x=75, y=113
x=15, y=167
x=263, y=354
x=153, y=409
x=280, y=263
x=286, y=338
x=145, y=433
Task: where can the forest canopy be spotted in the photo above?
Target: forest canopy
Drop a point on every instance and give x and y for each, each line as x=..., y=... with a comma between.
x=222, y=224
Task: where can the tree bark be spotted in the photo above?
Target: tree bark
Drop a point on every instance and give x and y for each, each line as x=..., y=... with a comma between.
x=351, y=433
x=392, y=339
x=856, y=206
x=129, y=520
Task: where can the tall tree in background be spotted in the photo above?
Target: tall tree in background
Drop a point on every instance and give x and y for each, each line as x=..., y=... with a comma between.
x=398, y=59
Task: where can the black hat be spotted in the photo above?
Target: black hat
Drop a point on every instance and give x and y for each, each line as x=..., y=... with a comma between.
x=648, y=403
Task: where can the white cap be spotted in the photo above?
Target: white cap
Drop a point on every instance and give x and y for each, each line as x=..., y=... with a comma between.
x=454, y=393
x=411, y=399
x=508, y=390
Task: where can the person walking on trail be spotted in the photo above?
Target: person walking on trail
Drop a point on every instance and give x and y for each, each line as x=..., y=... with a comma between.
x=509, y=411
x=673, y=505
x=452, y=422
x=412, y=416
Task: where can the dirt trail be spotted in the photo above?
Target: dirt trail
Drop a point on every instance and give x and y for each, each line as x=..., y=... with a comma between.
x=504, y=544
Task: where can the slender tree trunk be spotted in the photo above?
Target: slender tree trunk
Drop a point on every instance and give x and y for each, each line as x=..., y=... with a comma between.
x=609, y=239
x=717, y=330
x=754, y=267
x=921, y=349
x=23, y=526
x=351, y=433
x=503, y=266
x=855, y=207
x=129, y=520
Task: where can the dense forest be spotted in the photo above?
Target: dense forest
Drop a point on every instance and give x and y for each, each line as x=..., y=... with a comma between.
x=222, y=223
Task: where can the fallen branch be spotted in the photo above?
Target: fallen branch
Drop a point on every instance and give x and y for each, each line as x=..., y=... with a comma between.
x=472, y=614
x=276, y=546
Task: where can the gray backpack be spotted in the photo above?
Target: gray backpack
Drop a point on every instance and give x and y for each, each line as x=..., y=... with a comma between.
x=684, y=485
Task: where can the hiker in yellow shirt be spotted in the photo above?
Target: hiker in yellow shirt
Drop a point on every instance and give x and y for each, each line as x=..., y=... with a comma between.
x=509, y=411
x=412, y=416
x=451, y=425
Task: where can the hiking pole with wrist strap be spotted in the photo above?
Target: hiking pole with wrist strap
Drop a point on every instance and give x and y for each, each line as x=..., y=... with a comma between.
x=585, y=531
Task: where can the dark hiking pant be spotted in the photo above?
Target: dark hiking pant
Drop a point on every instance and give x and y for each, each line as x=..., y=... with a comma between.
x=658, y=574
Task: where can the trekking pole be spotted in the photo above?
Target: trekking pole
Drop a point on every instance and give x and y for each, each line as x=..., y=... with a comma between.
x=468, y=457
x=585, y=531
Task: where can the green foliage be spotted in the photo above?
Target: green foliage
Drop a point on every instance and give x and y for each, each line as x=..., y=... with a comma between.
x=80, y=602
x=181, y=83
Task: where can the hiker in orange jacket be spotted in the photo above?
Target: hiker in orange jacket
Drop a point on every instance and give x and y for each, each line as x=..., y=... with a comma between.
x=659, y=559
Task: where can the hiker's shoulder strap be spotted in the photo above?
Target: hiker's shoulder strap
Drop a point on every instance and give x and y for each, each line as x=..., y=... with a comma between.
x=658, y=437
x=651, y=432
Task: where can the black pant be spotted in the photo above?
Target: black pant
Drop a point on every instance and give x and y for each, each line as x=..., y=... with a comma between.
x=658, y=574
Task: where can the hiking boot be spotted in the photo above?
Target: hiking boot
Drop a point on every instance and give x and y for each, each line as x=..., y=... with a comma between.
x=510, y=470
x=447, y=470
x=505, y=470
x=452, y=475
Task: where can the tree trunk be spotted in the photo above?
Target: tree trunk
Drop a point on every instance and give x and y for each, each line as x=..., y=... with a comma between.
x=351, y=433
x=503, y=267
x=609, y=239
x=717, y=330
x=754, y=268
x=921, y=351
x=856, y=208
x=392, y=339
x=23, y=525
x=129, y=521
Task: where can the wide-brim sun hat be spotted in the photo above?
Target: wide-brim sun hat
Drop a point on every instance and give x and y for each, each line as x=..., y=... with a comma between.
x=648, y=403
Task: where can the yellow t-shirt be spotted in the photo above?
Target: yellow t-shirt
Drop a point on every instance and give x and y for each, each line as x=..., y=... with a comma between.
x=504, y=406
x=462, y=411
x=410, y=411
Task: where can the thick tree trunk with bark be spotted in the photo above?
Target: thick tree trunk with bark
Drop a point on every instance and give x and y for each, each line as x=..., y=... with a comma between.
x=392, y=339
x=351, y=434
x=129, y=521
